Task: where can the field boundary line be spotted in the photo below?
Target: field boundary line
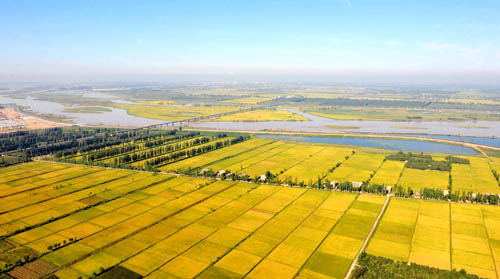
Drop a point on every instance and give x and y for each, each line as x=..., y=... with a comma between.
x=369, y=236
x=5, y=237
x=297, y=163
x=230, y=249
x=191, y=223
x=268, y=156
x=301, y=161
x=326, y=235
x=250, y=234
x=30, y=176
x=141, y=229
x=378, y=224
x=238, y=154
x=335, y=167
x=489, y=243
x=451, y=239
x=376, y=170
x=65, y=194
x=414, y=229
x=401, y=174
x=48, y=184
x=293, y=230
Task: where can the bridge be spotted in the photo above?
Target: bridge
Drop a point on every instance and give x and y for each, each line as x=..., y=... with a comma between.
x=195, y=119
x=154, y=126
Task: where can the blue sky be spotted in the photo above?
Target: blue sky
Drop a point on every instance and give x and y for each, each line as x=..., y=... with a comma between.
x=245, y=37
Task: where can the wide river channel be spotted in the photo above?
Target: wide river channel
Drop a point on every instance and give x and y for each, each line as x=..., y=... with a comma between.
x=488, y=134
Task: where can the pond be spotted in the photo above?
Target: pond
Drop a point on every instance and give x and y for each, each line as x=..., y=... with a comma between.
x=391, y=144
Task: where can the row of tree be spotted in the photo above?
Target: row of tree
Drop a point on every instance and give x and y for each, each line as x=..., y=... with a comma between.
x=425, y=162
x=137, y=145
x=373, y=267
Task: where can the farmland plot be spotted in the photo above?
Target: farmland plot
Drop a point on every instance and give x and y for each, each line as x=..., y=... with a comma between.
x=388, y=174
x=158, y=226
x=440, y=234
x=420, y=179
x=217, y=155
x=483, y=180
x=317, y=165
x=358, y=168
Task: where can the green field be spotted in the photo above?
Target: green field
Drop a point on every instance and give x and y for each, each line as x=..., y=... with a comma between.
x=440, y=234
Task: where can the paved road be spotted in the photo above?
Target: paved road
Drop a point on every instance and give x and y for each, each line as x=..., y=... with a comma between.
x=367, y=239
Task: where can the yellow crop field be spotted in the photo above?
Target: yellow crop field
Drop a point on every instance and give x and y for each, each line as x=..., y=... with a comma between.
x=160, y=226
x=439, y=234
x=317, y=165
x=470, y=241
x=284, y=160
x=358, y=168
x=262, y=115
x=389, y=173
x=461, y=178
x=217, y=155
x=248, y=100
x=160, y=102
x=482, y=177
x=334, y=256
x=249, y=157
x=420, y=179
x=172, y=113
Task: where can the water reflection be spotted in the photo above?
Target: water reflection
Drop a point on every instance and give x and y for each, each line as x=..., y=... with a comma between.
x=391, y=144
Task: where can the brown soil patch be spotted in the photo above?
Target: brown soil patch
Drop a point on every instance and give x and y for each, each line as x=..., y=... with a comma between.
x=31, y=122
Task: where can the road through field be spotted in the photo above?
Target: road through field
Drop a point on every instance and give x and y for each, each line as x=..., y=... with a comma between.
x=368, y=237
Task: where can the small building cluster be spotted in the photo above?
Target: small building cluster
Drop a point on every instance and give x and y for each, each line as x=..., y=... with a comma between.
x=7, y=124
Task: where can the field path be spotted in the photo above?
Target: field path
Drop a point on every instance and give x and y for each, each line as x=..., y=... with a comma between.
x=367, y=239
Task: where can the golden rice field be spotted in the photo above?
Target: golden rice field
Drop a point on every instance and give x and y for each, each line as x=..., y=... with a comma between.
x=389, y=173
x=476, y=177
x=299, y=162
x=419, y=179
x=440, y=234
x=262, y=115
x=248, y=100
x=358, y=168
x=172, y=113
x=304, y=162
x=75, y=221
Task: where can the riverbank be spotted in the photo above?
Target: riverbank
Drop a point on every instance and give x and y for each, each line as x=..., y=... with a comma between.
x=476, y=147
x=20, y=122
